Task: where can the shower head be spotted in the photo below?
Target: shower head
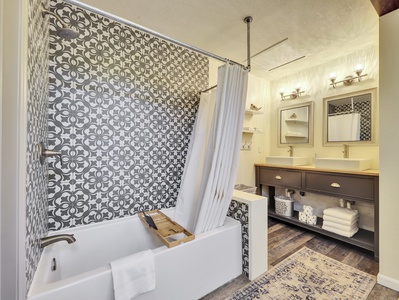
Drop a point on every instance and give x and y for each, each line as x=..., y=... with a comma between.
x=64, y=32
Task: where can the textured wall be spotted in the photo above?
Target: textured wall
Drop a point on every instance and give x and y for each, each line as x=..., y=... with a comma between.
x=37, y=99
x=122, y=107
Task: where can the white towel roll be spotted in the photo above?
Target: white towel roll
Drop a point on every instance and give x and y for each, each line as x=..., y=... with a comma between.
x=302, y=216
x=311, y=220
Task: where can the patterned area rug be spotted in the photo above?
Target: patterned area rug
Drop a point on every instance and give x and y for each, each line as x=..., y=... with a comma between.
x=309, y=275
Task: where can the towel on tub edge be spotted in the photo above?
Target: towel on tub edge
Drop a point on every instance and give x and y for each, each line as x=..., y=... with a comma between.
x=133, y=275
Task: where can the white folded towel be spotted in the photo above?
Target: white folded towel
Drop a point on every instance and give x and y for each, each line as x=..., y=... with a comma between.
x=341, y=213
x=133, y=275
x=341, y=232
x=340, y=221
x=347, y=228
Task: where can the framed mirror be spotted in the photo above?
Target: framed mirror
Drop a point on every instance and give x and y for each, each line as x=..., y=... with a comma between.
x=350, y=118
x=295, y=124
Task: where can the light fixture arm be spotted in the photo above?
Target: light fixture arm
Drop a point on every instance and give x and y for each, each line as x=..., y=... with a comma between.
x=295, y=94
x=348, y=80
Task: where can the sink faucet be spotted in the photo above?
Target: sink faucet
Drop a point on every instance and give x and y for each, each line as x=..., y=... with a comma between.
x=291, y=151
x=346, y=151
x=48, y=240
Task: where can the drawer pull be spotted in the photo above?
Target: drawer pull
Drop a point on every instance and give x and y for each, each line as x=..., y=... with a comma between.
x=278, y=177
x=335, y=185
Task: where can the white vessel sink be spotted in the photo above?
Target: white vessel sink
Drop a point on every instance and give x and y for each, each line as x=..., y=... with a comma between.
x=347, y=164
x=286, y=160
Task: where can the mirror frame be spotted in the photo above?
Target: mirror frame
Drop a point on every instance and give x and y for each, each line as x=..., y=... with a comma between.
x=310, y=106
x=374, y=118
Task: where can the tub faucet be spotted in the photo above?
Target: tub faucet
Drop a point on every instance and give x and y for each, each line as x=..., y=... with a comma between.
x=346, y=151
x=291, y=151
x=48, y=240
x=46, y=153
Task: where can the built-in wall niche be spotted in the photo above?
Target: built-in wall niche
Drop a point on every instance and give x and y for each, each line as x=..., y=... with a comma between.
x=350, y=118
x=295, y=124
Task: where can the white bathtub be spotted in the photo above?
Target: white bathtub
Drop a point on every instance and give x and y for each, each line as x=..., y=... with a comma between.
x=188, y=271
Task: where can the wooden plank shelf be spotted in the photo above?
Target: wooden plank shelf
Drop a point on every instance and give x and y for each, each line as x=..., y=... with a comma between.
x=168, y=231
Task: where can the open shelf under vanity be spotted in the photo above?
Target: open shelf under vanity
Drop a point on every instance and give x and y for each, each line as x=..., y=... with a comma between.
x=354, y=186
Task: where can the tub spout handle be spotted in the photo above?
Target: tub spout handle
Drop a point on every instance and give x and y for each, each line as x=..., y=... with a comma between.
x=48, y=240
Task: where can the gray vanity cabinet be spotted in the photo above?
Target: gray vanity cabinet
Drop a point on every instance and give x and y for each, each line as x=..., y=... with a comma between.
x=356, y=186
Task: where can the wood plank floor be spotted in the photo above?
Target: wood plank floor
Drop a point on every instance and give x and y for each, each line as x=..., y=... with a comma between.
x=285, y=239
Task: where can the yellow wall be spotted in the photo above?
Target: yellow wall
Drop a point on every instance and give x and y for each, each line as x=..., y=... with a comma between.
x=389, y=149
x=315, y=82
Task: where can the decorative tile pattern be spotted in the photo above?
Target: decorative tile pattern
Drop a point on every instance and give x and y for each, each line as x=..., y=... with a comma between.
x=37, y=99
x=240, y=212
x=122, y=107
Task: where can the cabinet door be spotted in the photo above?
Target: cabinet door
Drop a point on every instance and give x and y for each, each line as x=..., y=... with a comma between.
x=280, y=177
x=341, y=185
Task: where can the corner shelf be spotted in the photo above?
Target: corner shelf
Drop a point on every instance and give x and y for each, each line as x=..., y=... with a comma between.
x=295, y=136
x=296, y=121
x=250, y=130
x=253, y=112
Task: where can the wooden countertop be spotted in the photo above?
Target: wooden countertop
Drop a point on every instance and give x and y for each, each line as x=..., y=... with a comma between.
x=369, y=172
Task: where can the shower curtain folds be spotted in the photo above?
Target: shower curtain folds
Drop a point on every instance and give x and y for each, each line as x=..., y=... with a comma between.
x=212, y=161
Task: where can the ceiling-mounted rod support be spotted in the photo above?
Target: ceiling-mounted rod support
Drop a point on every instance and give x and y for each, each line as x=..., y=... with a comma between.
x=248, y=20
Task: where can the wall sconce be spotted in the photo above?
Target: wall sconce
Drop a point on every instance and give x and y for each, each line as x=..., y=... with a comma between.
x=295, y=94
x=348, y=80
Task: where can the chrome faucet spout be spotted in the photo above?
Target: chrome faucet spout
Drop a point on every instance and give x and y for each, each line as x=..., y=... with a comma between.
x=291, y=151
x=48, y=240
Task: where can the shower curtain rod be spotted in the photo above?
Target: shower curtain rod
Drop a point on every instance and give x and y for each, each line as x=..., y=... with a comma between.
x=247, y=20
x=147, y=30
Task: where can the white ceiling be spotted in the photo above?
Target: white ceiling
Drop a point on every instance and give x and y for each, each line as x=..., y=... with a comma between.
x=321, y=30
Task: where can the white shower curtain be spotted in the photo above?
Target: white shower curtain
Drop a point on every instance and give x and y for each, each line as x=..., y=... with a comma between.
x=344, y=127
x=212, y=160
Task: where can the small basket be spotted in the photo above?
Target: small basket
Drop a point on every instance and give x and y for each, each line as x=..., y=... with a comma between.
x=245, y=188
x=284, y=206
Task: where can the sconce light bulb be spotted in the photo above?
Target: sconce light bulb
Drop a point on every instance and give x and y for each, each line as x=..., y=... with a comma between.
x=282, y=91
x=298, y=86
x=359, y=68
x=333, y=76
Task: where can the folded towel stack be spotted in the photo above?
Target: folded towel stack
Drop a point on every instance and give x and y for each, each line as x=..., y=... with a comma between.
x=342, y=221
x=307, y=215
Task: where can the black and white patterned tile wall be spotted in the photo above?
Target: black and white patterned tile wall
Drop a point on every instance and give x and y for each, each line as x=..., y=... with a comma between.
x=122, y=108
x=364, y=108
x=37, y=114
x=239, y=211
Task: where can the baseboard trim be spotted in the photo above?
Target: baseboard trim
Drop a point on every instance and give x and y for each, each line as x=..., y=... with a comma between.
x=388, y=282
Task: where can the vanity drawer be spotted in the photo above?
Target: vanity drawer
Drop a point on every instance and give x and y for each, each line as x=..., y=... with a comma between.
x=341, y=185
x=281, y=177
